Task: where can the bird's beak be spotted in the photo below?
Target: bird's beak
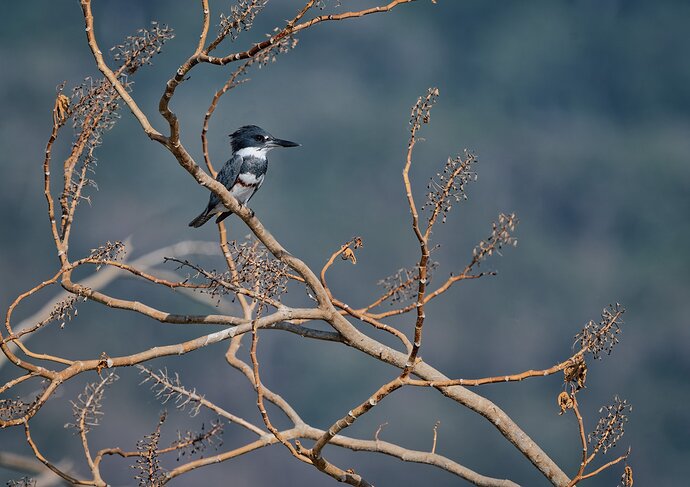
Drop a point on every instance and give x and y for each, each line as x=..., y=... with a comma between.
x=283, y=143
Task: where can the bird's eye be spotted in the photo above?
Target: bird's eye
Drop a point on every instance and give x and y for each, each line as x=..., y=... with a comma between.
x=259, y=137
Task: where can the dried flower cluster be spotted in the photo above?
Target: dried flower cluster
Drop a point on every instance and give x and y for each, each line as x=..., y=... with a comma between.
x=611, y=427
x=190, y=443
x=93, y=107
x=167, y=389
x=421, y=110
x=13, y=408
x=149, y=470
x=269, y=55
x=87, y=409
x=109, y=251
x=22, y=482
x=400, y=287
x=137, y=50
x=256, y=273
x=322, y=4
x=501, y=235
x=241, y=18
x=448, y=186
x=259, y=270
x=63, y=311
x=600, y=337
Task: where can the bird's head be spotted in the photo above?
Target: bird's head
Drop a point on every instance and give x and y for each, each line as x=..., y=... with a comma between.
x=256, y=139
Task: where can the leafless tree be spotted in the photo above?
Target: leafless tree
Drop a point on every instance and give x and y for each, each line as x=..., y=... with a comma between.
x=257, y=274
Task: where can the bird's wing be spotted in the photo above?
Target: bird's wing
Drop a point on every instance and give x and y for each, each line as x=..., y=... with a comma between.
x=230, y=170
x=227, y=176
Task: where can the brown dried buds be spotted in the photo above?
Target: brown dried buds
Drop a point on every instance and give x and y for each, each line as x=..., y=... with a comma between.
x=137, y=50
x=421, y=110
x=109, y=251
x=150, y=471
x=601, y=337
x=501, y=235
x=241, y=18
x=611, y=426
x=449, y=185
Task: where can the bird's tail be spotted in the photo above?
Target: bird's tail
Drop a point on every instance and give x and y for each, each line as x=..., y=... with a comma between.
x=201, y=219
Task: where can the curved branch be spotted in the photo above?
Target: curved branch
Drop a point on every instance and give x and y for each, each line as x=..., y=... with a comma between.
x=108, y=73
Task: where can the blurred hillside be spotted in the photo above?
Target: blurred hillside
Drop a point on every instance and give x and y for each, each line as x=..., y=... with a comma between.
x=579, y=112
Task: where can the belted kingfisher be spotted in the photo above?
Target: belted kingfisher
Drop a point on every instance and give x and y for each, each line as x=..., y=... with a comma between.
x=243, y=174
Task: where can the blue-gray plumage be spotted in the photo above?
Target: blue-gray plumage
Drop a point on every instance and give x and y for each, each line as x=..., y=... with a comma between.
x=244, y=172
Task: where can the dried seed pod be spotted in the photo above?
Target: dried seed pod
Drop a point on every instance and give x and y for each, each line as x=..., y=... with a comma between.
x=576, y=374
x=627, y=477
x=565, y=402
x=61, y=109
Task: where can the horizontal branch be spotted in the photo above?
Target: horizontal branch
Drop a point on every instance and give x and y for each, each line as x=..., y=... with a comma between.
x=102, y=278
x=293, y=29
x=374, y=446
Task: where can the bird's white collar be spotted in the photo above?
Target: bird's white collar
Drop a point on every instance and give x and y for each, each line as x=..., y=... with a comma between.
x=258, y=152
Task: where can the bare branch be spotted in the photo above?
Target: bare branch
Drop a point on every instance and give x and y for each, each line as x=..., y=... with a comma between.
x=257, y=274
x=166, y=389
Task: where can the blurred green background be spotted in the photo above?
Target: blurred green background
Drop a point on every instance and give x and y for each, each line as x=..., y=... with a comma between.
x=578, y=111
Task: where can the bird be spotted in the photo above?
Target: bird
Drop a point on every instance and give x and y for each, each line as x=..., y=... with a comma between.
x=243, y=174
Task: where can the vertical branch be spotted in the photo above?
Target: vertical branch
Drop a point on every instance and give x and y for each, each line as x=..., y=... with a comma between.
x=276, y=399
x=583, y=438
x=433, y=445
x=232, y=267
x=260, y=398
x=59, y=117
x=229, y=84
x=204, y=28
x=420, y=114
x=68, y=217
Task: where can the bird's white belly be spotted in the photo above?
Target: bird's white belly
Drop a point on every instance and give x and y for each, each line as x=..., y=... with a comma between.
x=243, y=189
x=249, y=179
x=242, y=193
